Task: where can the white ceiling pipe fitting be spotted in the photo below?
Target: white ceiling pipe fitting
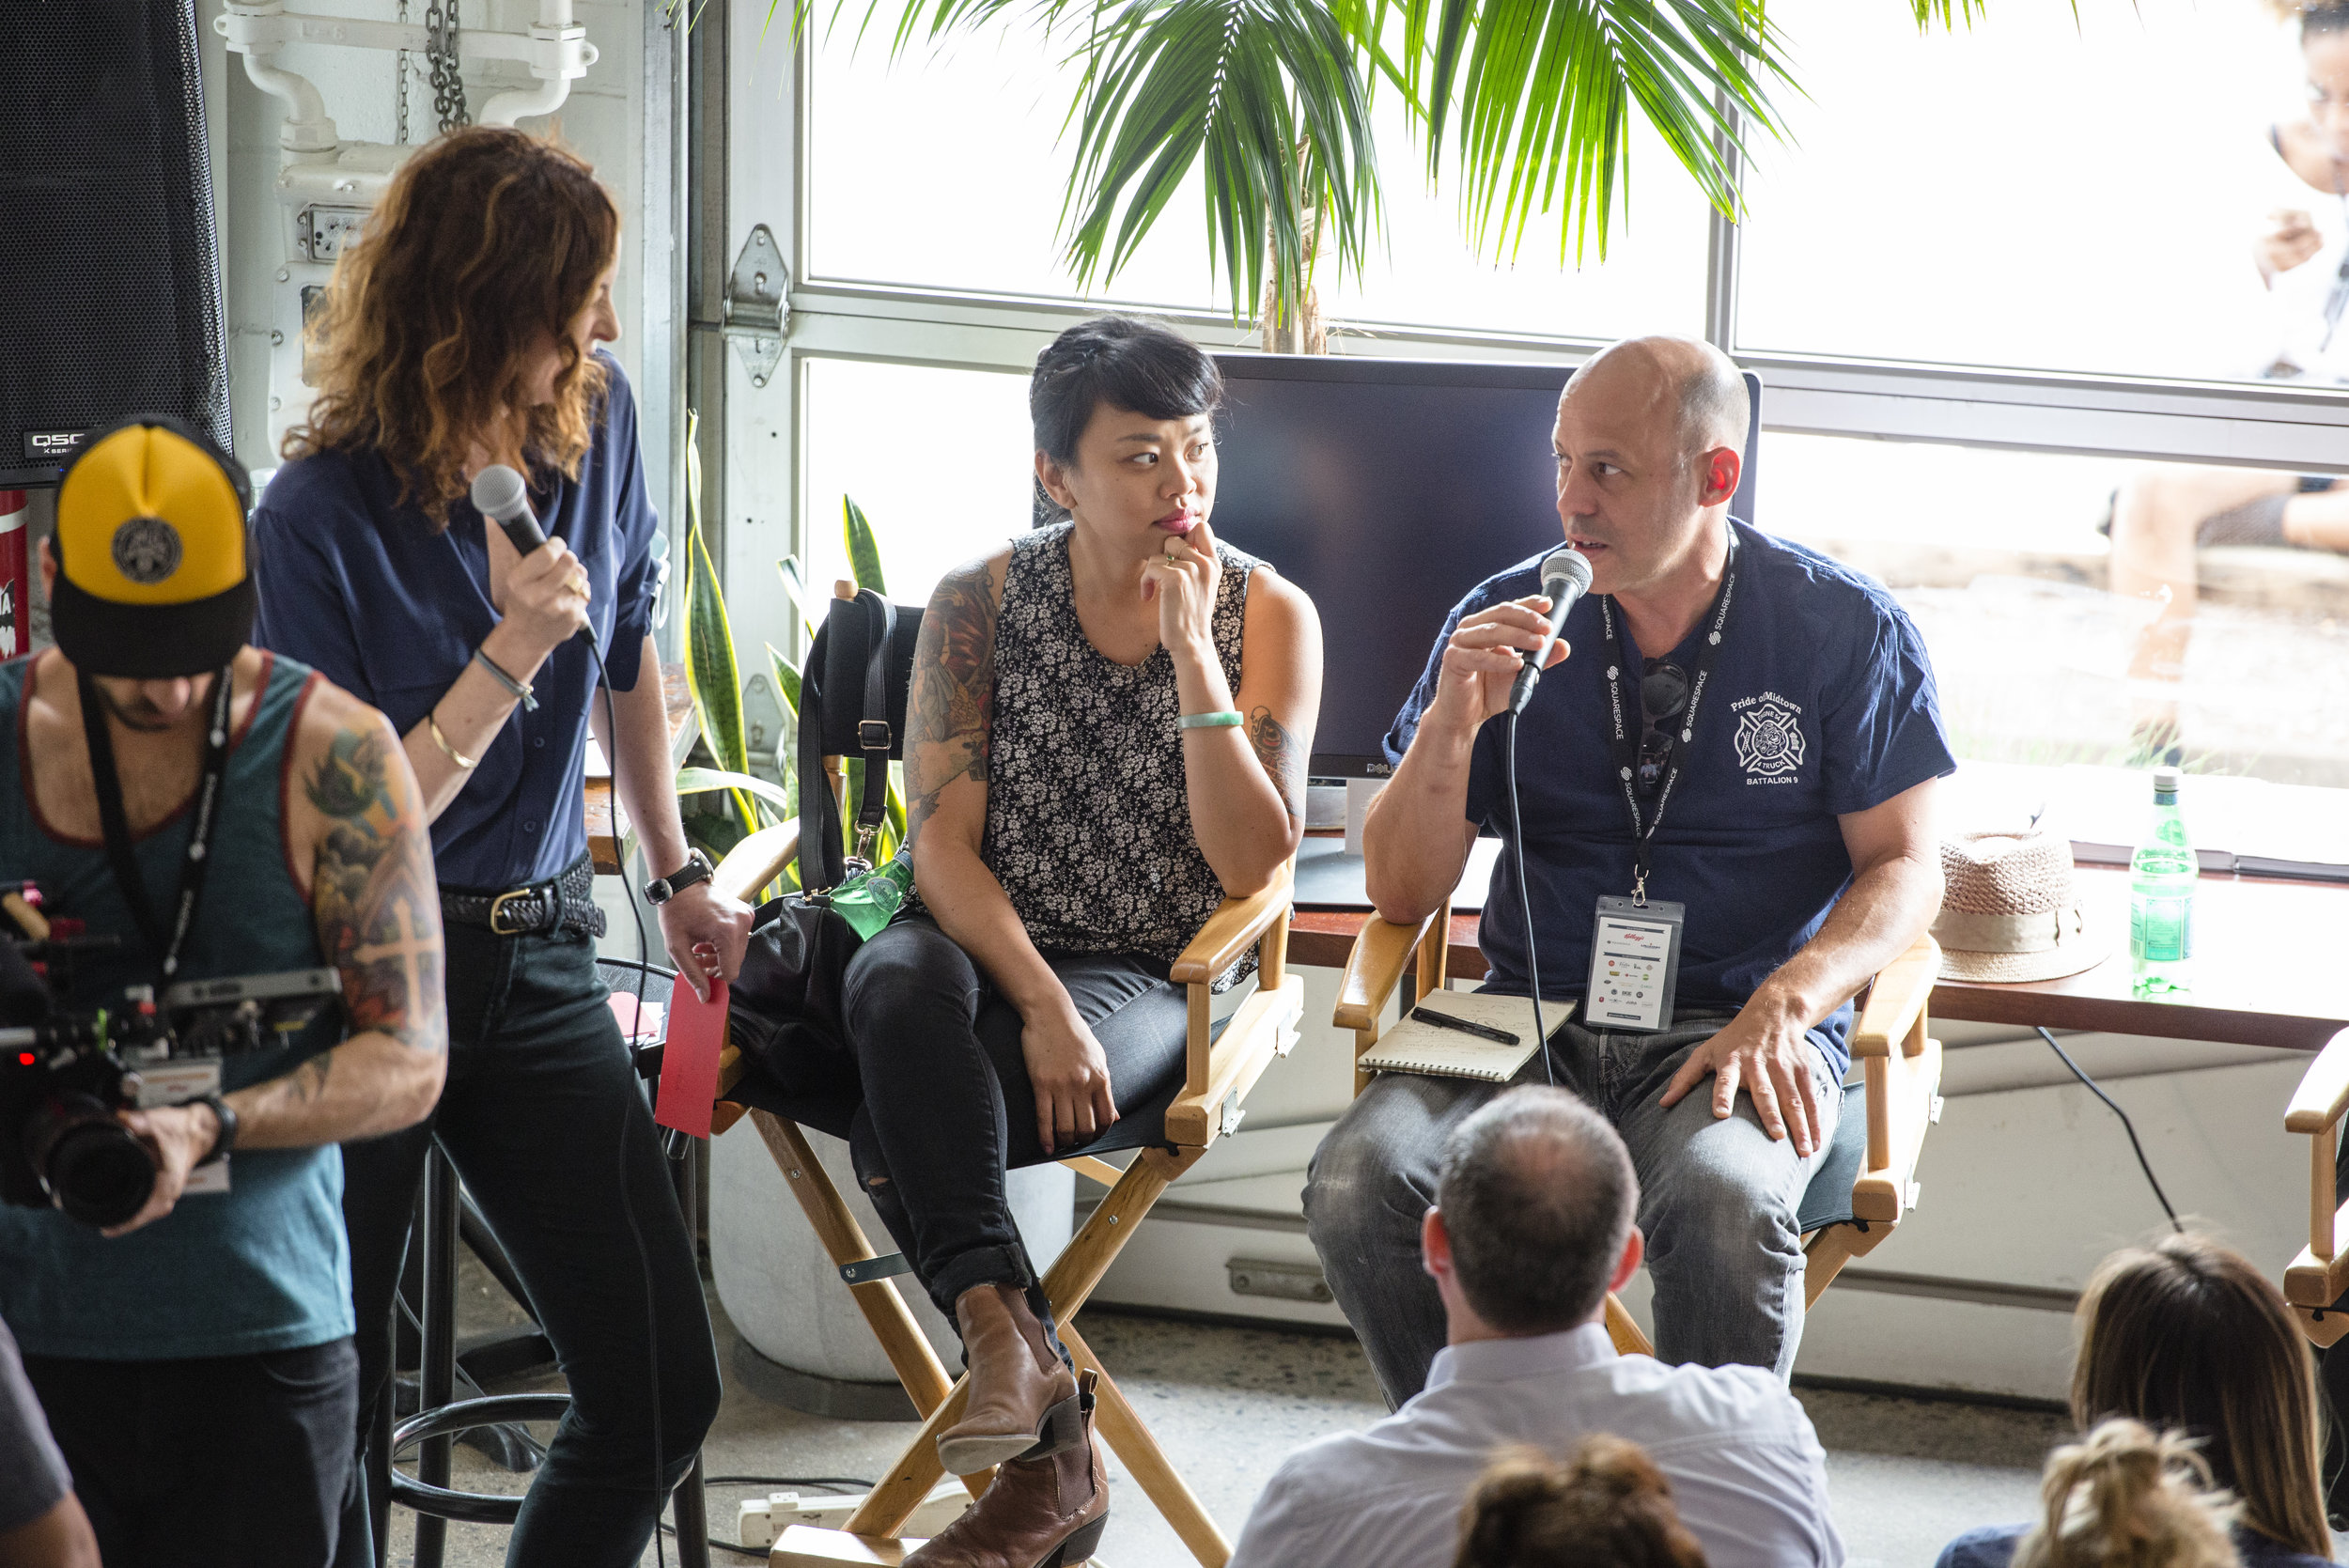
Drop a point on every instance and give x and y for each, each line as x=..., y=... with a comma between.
x=258, y=32
x=559, y=53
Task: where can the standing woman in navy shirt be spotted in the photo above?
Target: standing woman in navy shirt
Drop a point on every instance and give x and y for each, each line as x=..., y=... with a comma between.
x=462, y=329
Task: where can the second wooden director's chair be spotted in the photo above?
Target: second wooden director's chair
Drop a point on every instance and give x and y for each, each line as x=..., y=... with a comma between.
x=1221, y=1064
x=1866, y=1183
x=2319, y=1277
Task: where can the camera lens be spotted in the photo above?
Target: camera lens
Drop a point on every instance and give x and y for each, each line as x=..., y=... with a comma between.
x=95, y=1170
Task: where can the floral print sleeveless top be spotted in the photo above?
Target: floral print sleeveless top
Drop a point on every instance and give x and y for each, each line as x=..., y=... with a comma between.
x=1088, y=828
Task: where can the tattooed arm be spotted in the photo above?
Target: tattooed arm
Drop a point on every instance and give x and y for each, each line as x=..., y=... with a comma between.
x=950, y=721
x=1247, y=788
x=377, y=907
x=376, y=902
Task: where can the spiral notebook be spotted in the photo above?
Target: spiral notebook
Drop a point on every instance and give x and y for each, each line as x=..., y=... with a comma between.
x=1414, y=1046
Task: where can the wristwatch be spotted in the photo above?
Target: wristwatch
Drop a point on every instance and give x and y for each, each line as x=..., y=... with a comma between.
x=662, y=888
x=226, y=1138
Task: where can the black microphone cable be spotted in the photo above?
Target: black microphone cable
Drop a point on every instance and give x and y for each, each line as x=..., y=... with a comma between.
x=2130, y=1128
x=1525, y=901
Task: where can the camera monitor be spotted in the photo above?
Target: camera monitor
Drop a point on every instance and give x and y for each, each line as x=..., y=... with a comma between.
x=1386, y=489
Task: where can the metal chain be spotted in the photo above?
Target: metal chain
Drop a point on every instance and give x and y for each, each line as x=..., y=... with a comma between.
x=448, y=89
x=403, y=69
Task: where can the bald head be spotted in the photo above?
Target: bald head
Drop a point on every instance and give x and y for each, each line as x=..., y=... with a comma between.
x=1683, y=380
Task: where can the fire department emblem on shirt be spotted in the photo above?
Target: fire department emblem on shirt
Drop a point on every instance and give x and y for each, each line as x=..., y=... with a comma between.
x=1769, y=738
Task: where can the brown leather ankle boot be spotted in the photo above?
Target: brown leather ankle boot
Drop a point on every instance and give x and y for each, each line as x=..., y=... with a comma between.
x=1047, y=1512
x=1016, y=1380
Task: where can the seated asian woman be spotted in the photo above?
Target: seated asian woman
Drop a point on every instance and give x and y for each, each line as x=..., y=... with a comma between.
x=1107, y=735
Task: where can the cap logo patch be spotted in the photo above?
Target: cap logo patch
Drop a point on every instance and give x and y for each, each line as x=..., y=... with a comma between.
x=146, y=550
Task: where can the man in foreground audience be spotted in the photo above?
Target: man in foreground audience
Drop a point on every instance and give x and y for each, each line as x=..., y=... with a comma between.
x=1531, y=1227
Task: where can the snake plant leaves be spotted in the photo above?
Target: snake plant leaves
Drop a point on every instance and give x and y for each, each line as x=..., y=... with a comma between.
x=703, y=780
x=863, y=551
x=711, y=671
x=786, y=679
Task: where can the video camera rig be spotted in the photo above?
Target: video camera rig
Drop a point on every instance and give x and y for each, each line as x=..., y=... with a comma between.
x=67, y=1072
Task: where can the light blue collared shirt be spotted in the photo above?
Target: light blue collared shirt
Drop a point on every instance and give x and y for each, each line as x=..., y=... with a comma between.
x=1747, y=1472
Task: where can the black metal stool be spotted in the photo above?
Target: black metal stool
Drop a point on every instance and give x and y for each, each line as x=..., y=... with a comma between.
x=441, y=1416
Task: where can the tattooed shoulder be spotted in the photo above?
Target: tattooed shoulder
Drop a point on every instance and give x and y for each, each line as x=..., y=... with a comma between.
x=374, y=897
x=950, y=719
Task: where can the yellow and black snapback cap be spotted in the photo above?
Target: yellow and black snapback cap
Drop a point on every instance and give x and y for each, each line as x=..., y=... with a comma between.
x=152, y=576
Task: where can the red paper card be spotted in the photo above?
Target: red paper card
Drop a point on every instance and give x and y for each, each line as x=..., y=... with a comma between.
x=689, y=1064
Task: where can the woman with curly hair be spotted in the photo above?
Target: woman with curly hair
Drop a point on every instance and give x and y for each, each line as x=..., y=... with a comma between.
x=464, y=329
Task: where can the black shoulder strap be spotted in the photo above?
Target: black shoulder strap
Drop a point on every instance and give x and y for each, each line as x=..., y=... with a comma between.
x=819, y=828
x=114, y=823
x=873, y=736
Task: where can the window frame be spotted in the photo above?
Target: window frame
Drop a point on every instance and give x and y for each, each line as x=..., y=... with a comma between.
x=2246, y=424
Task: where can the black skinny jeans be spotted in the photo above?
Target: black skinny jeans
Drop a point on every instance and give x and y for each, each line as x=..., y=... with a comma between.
x=947, y=1105
x=222, y=1462
x=543, y=1119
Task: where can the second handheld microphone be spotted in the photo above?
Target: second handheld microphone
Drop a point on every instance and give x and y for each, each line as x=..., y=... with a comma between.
x=1565, y=578
x=500, y=495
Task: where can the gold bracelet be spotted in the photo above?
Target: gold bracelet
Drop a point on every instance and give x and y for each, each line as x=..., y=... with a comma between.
x=459, y=758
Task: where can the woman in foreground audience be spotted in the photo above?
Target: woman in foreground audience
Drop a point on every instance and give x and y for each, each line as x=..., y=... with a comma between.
x=1107, y=735
x=2186, y=1335
x=2127, y=1498
x=1605, y=1507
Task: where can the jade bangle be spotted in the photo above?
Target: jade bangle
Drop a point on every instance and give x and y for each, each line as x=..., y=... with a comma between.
x=1224, y=720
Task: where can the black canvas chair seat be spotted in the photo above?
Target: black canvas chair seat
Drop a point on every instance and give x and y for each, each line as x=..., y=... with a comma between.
x=1143, y=1127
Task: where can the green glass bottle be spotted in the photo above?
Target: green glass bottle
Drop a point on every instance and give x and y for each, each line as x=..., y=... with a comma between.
x=2161, y=896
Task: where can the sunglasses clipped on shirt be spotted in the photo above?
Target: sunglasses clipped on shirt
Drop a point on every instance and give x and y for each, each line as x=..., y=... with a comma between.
x=1663, y=697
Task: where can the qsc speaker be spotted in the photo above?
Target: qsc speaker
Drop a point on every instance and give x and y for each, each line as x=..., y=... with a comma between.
x=110, y=286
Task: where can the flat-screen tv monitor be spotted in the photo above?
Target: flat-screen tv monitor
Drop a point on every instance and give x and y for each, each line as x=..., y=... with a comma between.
x=1386, y=489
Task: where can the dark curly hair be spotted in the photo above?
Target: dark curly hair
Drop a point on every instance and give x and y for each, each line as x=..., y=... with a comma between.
x=485, y=239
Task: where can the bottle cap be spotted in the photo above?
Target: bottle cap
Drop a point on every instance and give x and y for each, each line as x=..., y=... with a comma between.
x=2166, y=780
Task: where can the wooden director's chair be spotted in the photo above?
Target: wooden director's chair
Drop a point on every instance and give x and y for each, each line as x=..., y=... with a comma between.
x=1866, y=1183
x=2318, y=1278
x=1221, y=1065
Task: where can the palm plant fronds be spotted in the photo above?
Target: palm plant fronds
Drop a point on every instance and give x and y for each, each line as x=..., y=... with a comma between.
x=1540, y=95
x=1267, y=96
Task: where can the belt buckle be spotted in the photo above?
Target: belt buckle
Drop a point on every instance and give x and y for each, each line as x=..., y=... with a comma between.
x=497, y=911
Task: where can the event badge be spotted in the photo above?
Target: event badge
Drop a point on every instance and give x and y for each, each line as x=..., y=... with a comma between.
x=1635, y=962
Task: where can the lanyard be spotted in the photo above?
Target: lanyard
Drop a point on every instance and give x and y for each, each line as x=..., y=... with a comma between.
x=1627, y=748
x=117, y=827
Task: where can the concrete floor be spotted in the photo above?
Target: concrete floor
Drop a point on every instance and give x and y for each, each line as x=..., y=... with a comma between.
x=1228, y=1402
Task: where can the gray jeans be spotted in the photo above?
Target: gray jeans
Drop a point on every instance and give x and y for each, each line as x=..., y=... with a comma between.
x=1717, y=1199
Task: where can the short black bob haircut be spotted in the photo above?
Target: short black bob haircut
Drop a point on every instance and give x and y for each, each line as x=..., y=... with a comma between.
x=1129, y=363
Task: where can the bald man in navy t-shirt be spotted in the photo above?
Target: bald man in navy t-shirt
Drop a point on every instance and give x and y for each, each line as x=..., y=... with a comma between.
x=1745, y=729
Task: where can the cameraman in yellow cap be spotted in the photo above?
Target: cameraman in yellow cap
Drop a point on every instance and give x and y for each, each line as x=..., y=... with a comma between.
x=221, y=812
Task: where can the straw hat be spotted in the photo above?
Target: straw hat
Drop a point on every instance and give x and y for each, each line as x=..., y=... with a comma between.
x=2010, y=911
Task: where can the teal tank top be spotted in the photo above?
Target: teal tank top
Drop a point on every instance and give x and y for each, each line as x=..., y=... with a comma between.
x=263, y=1266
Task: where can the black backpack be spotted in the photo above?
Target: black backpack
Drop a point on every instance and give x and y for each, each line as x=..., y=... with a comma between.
x=786, y=1004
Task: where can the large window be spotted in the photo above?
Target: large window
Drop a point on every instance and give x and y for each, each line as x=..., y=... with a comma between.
x=2049, y=188
x=946, y=173
x=2002, y=284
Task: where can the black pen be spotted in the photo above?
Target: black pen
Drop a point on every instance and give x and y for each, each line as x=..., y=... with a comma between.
x=1445, y=1020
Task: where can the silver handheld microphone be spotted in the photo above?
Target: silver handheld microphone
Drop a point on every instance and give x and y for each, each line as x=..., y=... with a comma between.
x=1565, y=577
x=500, y=495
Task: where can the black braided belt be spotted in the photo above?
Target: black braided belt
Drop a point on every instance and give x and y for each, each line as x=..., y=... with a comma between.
x=565, y=903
